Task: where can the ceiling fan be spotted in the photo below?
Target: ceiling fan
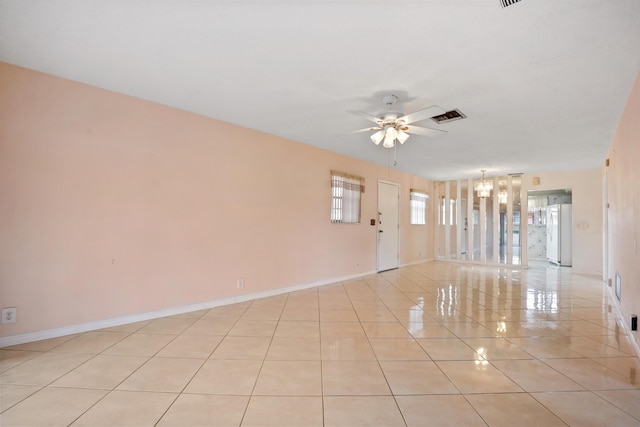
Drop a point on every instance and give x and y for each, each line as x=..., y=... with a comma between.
x=392, y=125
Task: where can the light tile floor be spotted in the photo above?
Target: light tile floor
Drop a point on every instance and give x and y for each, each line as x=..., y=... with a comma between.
x=435, y=344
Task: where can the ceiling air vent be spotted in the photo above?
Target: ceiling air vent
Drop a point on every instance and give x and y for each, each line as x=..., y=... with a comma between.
x=505, y=3
x=449, y=116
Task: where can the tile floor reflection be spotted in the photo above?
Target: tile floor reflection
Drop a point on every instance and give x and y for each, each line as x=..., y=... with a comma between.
x=435, y=344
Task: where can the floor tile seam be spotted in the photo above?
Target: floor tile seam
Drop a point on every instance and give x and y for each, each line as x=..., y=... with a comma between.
x=90, y=407
x=40, y=388
x=402, y=394
x=225, y=335
x=539, y=402
x=155, y=356
x=151, y=356
x=464, y=396
x=203, y=362
x=444, y=374
x=616, y=329
x=475, y=361
x=422, y=394
x=395, y=400
x=519, y=347
x=616, y=406
x=167, y=409
x=357, y=316
x=506, y=376
x=151, y=332
x=375, y=360
x=594, y=359
x=322, y=403
x=93, y=356
x=585, y=387
x=523, y=392
x=201, y=393
x=26, y=360
x=144, y=323
x=394, y=314
x=53, y=350
x=607, y=344
x=552, y=368
x=630, y=388
x=70, y=339
x=533, y=395
x=262, y=362
x=588, y=355
x=319, y=395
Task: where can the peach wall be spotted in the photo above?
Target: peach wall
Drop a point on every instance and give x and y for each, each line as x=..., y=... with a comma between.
x=586, y=187
x=113, y=206
x=623, y=185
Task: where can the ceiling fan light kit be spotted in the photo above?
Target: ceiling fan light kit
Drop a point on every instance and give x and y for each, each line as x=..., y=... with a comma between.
x=392, y=126
x=377, y=137
x=402, y=137
x=390, y=134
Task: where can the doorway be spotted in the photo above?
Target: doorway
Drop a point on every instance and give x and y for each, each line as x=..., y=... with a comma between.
x=538, y=221
x=388, y=225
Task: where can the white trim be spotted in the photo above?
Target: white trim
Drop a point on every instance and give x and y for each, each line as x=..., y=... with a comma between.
x=399, y=188
x=408, y=264
x=123, y=320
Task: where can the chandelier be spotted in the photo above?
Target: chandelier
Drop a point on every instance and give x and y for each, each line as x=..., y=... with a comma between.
x=503, y=195
x=483, y=188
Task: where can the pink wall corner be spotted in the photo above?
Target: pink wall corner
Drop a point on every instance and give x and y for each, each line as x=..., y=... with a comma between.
x=623, y=188
x=114, y=206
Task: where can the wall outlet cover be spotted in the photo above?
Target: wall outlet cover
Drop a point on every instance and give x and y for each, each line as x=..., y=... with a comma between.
x=9, y=315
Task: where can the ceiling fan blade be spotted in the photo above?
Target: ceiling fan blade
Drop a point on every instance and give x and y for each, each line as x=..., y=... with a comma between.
x=367, y=130
x=366, y=116
x=423, y=114
x=419, y=130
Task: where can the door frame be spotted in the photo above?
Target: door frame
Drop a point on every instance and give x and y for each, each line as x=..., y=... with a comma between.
x=397, y=205
x=605, y=226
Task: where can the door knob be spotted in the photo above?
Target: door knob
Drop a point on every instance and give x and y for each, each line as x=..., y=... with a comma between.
x=379, y=231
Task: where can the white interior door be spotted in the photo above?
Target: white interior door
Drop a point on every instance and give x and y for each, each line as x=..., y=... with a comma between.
x=388, y=225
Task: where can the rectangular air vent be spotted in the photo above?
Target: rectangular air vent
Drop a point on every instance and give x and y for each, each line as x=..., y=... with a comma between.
x=449, y=116
x=505, y=3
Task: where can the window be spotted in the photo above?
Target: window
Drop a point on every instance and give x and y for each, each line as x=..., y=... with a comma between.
x=418, y=206
x=345, y=197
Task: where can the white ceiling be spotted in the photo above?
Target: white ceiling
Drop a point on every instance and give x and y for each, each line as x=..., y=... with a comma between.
x=543, y=82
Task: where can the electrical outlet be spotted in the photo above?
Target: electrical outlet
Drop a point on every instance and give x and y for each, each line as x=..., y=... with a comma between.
x=9, y=315
x=240, y=283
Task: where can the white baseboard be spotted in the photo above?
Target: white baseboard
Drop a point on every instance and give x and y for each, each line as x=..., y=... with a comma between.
x=480, y=263
x=631, y=334
x=422, y=261
x=123, y=320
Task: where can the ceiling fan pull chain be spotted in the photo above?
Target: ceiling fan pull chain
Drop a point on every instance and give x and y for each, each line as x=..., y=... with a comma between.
x=395, y=154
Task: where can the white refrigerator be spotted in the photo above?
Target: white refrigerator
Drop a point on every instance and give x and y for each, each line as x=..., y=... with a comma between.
x=559, y=225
